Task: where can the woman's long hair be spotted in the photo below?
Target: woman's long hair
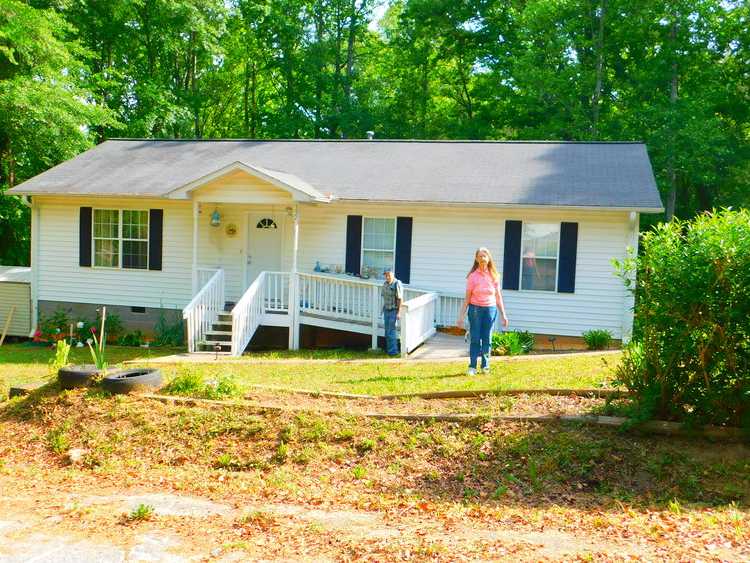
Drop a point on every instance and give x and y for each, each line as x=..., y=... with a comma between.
x=490, y=264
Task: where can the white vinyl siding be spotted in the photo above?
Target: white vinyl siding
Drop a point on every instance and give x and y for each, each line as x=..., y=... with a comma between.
x=60, y=278
x=444, y=241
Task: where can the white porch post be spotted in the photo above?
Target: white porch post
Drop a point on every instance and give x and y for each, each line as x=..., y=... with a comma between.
x=294, y=286
x=196, y=211
x=374, y=315
x=34, y=265
x=629, y=301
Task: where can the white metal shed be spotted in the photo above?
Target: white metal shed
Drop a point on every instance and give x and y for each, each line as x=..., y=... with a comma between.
x=15, y=290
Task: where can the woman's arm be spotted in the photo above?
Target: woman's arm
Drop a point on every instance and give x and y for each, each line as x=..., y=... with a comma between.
x=501, y=305
x=464, y=306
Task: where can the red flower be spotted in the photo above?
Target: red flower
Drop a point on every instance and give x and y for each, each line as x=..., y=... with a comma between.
x=38, y=333
x=93, y=330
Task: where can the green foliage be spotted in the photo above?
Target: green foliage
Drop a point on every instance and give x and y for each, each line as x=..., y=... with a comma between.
x=168, y=334
x=57, y=438
x=512, y=343
x=44, y=105
x=690, y=358
x=141, y=513
x=62, y=351
x=54, y=327
x=134, y=338
x=97, y=349
x=597, y=339
x=192, y=383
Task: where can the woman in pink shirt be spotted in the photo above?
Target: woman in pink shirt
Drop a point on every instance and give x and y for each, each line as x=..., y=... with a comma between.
x=482, y=300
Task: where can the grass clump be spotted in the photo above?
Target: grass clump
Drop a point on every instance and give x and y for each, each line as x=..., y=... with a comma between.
x=597, y=339
x=193, y=383
x=57, y=439
x=512, y=343
x=141, y=513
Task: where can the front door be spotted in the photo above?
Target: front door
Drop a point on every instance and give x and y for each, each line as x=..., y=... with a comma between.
x=263, y=245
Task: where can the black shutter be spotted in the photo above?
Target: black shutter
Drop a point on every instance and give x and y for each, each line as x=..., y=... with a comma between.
x=155, y=228
x=403, y=248
x=353, y=244
x=566, y=270
x=84, y=237
x=512, y=254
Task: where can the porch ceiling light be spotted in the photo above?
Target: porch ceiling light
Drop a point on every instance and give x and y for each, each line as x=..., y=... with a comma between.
x=215, y=218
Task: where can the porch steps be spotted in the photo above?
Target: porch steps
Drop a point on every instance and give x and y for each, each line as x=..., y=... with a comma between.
x=219, y=336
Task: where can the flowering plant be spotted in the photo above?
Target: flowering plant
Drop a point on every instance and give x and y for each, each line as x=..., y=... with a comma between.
x=97, y=350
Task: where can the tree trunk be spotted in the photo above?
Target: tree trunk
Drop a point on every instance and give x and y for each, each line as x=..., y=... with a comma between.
x=350, y=66
x=671, y=171
x=596, y=98
x=245, y=100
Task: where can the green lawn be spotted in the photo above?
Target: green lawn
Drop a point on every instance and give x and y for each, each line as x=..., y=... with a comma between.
x=24, y=364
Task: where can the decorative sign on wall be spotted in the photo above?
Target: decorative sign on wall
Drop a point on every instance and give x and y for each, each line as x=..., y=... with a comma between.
x=231, y=229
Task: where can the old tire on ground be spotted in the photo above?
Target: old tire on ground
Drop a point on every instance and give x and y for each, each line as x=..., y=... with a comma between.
x=71, y=377
x=129, y=380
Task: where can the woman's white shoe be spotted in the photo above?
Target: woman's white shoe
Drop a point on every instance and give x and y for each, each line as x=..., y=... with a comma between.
x=471, y=371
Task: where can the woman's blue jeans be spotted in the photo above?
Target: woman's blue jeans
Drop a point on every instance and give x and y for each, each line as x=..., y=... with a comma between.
x=481, y=321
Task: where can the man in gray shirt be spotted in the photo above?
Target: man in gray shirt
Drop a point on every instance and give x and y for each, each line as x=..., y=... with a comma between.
x=393, y=295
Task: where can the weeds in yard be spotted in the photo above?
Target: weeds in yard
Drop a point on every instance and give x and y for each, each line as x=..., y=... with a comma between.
x=193, y=383
x=141, y=513
x=57, y=439
x=359, y=472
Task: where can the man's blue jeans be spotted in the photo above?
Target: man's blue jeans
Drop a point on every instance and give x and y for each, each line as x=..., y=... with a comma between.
x=481, y=321
x=391, y=336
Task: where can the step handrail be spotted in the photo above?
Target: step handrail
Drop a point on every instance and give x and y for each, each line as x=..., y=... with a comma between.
x=417, y=321
x=247, y=314
x=204, y=309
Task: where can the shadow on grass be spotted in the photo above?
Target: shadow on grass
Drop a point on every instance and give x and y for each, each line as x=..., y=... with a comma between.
x=482, y=463
x=582, y=466
x=388, y=378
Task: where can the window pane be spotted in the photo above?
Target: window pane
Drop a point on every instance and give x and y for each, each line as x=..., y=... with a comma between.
x=540, y=240
x=538, y=273
x=106, y=223
x=135, y=254
x=106, y=253
x=373, y=262
x=379, y=234
x=134, y=224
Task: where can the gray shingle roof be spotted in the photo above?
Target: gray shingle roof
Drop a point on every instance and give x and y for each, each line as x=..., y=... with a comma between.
x=604, y=175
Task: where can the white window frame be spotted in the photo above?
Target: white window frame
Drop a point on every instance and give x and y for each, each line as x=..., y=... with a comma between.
x=362, y=242
x=557, y=258
x=119, y=238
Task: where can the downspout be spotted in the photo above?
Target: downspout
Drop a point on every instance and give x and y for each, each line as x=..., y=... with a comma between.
x=34, y=261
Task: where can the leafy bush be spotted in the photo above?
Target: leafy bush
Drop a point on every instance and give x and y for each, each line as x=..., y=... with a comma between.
x=192, y=383
x=690, y=358
x=597, y=339
x=134, y=338
x=512, y=343
x=168, y=334
x=53, y=328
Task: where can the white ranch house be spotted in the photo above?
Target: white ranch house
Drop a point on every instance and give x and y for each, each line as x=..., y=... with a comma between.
x=233, y=233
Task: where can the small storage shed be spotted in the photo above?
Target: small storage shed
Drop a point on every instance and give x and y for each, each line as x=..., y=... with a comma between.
x=15, y=290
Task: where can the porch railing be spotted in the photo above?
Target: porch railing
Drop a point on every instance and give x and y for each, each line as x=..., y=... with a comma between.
x=204, y=309
x=247, y=314
x=417, y=321
x=276, y=292
x=352, y=300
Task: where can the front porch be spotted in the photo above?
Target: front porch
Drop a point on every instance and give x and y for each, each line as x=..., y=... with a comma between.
x=330, y=301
